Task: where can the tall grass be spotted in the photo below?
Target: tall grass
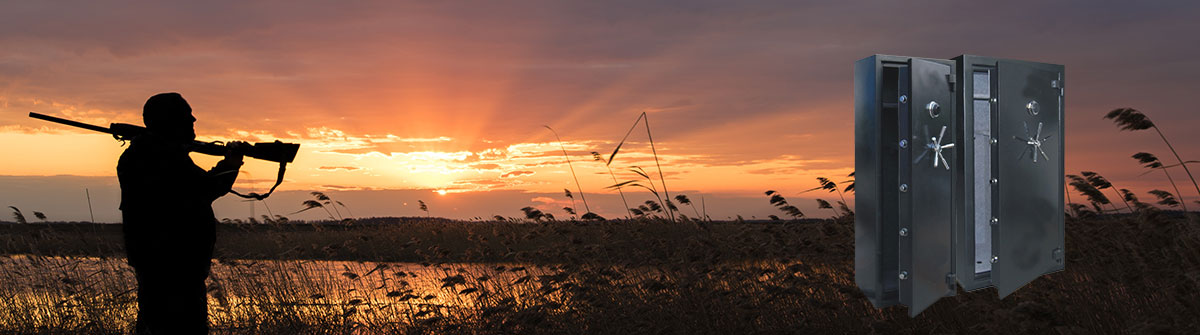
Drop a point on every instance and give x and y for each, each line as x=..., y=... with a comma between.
x=570, y=210
x=683, y=200
x=1165, y=198
x=830, y=186
x=1151, y=162
x=596, y=157
x=572, y=167
x=17, y=215
x=1133, y=120
x=1094, y=196
x=1101, y=183
x=822, y=204
x=276, y=286
x=321, y=201
x=615, y=277
x=780, y=202
x=662, y=178
x=649, y=186
x=535, y=214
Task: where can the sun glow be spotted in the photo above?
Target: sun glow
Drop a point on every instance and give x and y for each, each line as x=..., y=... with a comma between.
x=441, y=192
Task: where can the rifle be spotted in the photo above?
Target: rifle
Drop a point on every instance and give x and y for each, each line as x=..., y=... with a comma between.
x=279, y=152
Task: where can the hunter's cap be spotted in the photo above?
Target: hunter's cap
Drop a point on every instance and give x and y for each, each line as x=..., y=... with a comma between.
x=165, y=107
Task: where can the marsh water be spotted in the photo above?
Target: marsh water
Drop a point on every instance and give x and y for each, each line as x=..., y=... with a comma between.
x=39, y=288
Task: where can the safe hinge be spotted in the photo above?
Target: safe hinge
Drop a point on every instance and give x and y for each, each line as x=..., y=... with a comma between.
x=1058, y=84
x=950, y=82
x=950, y=280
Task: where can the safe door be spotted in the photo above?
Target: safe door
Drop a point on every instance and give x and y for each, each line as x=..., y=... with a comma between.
x=1009, y=219
x=904, y=132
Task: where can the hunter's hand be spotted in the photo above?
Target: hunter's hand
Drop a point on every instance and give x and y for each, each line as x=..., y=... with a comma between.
x=237, y=149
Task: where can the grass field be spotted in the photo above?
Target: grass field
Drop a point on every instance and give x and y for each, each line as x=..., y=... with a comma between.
x=1124, y=275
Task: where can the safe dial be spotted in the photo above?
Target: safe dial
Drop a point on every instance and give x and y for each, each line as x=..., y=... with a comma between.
x=934, y=109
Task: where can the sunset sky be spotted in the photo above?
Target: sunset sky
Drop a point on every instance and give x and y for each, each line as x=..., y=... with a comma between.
x=395, y=102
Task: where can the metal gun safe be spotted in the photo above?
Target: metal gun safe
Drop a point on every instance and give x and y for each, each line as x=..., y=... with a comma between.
x=959, y=167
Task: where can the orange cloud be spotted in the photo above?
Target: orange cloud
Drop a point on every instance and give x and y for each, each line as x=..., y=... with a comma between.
x=514, y=174
x=336, y=168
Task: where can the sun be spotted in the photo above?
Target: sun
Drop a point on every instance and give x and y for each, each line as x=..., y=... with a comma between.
x=441, y=192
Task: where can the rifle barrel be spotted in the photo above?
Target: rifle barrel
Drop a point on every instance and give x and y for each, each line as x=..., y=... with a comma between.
x=70, y=123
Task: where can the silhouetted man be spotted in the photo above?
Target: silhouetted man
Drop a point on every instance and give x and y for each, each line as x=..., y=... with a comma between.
x=169, y=226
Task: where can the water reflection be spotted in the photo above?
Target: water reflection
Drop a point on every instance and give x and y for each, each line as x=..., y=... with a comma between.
x=53, y=291
x=88, y=294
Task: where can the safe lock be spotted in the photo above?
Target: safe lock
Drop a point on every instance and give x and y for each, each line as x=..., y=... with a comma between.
x=976, y=199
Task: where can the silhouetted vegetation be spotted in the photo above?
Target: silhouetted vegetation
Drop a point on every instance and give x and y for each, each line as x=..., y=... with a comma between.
x=596, y=157
x=646, y=121
x=778, y=201
x=419, y=275
x=572, y=167
x=1151, y=162
x=1133, y=120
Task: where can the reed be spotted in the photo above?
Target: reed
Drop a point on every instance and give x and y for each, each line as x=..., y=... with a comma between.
x=596, y=157
x=821, y=204
x=830, y=186
x=662, y=178
x=1101, y=183
x=570, y=210
x=611, y=277
x=327, y=201
x=320, y=201
x=1133, y=120
x=849, y=183
x=649, y=186
x=1151, y=162
x=572, y=167
x=17, y=215
x=683, y=200
x=534, y=214
x=1141, y=206
x=1093, y=194
x=1165, y=198
x=780, y=202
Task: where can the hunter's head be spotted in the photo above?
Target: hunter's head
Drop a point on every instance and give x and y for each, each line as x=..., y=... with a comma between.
x=168, y=115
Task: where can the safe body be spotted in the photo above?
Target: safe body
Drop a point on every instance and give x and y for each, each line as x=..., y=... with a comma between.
x=938, y=200
x=1009, y=216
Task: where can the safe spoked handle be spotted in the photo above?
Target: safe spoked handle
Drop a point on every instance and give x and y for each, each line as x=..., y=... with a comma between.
x=935, y=146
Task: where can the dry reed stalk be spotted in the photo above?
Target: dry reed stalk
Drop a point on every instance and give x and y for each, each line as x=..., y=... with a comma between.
x=654, y=151
x=1132, y=119
x=568, y=157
